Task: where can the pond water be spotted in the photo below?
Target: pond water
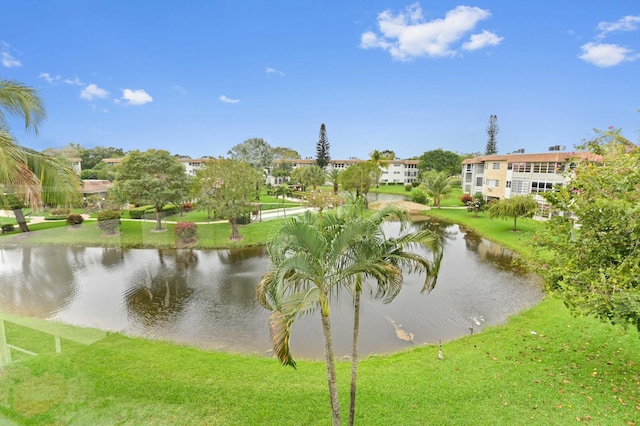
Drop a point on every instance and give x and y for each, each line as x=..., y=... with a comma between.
x=206, y=298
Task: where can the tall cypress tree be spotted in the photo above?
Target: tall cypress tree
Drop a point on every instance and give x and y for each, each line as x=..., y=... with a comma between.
x=492, y=132
x=322, y=148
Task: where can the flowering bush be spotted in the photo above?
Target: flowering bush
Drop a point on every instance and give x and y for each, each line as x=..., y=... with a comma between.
x=187, y=207
x=185, y=230
x=466, y=198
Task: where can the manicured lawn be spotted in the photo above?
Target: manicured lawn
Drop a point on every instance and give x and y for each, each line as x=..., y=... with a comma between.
x=543, y=367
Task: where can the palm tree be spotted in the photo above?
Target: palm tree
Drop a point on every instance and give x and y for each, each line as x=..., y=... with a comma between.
x=390, y=254
x=312, y=257
x=31, y=177
x=377, y=158
x=437, y=186
x=334, y=177
x=285, y=191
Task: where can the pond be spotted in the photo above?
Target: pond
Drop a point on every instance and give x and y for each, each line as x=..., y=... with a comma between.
x=206, y=298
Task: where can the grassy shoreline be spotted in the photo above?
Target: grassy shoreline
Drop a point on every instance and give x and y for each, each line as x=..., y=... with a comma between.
x=542, y=367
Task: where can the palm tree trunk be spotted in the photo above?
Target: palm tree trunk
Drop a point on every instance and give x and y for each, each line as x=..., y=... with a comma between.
x=354, y=356
x=22, y=222
x=331, y=369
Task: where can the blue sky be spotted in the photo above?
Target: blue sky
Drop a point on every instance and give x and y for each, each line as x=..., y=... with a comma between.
x=198, y=77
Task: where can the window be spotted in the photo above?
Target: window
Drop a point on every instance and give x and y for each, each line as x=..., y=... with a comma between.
x=508, y=184
x=520, y=186
x=479, y=181
x=467, y=177
x=540, y=187
x=495, y=166
x=467, y=188
x=469, y=167
x=510, y=166
x=493, y=183
x=522, y=167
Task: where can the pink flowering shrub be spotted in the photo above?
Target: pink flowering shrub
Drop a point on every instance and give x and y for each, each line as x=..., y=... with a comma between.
x=186, y=230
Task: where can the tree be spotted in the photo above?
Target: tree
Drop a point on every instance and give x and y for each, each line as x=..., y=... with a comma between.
x=358, y=178
x=377, y=158
x=595, y=267
x=152, y=177
x=439, y=160
x=333, y=176
x=322, y=148
x=229, y=186
x=388, y=154
x=310, y=176
x=389, y=255
x=514, y=207
x=256, y=151
x=285, y=191
x=476, y=204
x=492, y=133
x=91, y=157
x=29, y=177
x=71, y=150
x=283, y=153
x=436, y=185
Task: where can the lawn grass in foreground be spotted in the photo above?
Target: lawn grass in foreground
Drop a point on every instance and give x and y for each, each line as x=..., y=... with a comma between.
x=542, y=368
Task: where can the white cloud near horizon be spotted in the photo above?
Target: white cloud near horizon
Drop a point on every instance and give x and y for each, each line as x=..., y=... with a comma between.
x=408, y=35
x=6, y=58
x=227, y=100
x=91, y=92
x=136, y=97
x=605, y=55
x=271, y=71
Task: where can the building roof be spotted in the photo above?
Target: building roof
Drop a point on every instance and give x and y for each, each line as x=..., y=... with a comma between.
x=95, y=186
x=529, y=158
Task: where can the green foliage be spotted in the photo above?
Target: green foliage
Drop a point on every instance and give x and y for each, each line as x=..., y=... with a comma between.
x=153, y=177
x=595, y=266
x=75, y=219
x=514, y=207
x=60, y=212
x=91, y=157
x=256, y=152
x=408, y=187
x=439, y=160
x=139, y=212
x=437, y=185
x=88, y=174
x=109, y=221
x=322, y=148
x=312, y=176
x=7, y=227
x=466, y=198
x=228, y=187
x=359, y=178
x=419, y=196
x=492, y=133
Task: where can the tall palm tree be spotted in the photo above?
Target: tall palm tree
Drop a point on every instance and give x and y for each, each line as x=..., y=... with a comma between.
x=312, y=257
x=334, y=177
x=391, y=254
x=377, y=158
x=437, y=186
x=31, y=177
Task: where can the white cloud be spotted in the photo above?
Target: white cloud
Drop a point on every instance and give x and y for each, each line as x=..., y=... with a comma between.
x=484, y=39
x=628, y=23
x=48, y=77
x=92, y=92
x=271, y=71
x=180, y=89
x=227, y=100
x=606, y=55
x=5, y=57
x=136, y=97
x=73, y=82
x=408, y=35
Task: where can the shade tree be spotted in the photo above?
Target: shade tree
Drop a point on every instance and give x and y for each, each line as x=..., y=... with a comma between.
x=513, y=208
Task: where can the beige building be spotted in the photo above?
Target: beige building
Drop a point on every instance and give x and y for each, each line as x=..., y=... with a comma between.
x=503, y=176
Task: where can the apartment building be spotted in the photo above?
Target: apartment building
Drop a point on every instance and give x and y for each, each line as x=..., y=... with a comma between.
x=503, y=176
x=398, y=172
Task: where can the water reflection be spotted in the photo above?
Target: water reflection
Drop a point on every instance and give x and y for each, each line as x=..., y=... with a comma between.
x=207, y=298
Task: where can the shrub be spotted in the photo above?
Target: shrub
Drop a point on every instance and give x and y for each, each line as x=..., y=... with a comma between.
x=109, y=221
x=7, y=227
x=75, y=219
x=419, y=196
x=186, y=230
x=187, y=207
x=138, y=212
x=408, y=188
x=60, y=212
x=466, y=198
x=415, y=183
